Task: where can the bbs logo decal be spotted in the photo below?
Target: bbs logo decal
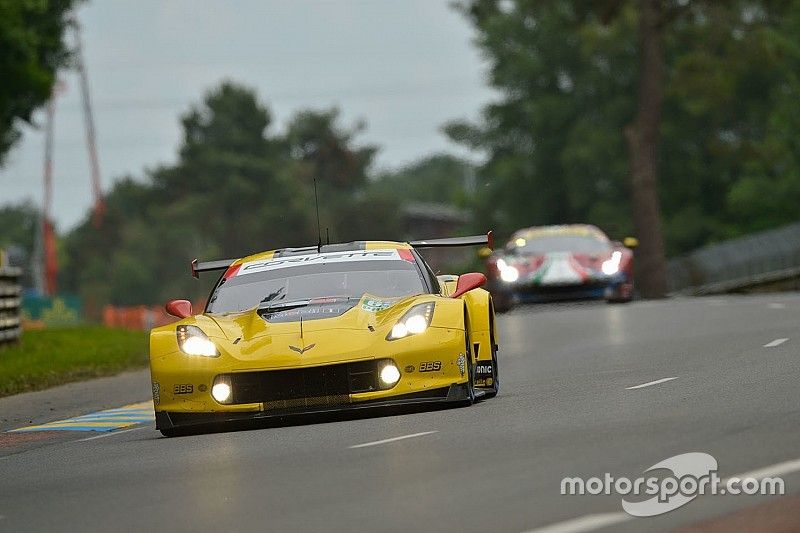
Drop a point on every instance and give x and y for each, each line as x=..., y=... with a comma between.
x=430, y=366
x=183, y=388
x=483, y=369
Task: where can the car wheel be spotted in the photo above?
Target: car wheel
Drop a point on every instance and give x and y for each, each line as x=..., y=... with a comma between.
x=495, y=388
x=470, y=367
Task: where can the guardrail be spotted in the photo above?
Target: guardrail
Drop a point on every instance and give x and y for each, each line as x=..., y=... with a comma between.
x=10, y=303
x=761, y=259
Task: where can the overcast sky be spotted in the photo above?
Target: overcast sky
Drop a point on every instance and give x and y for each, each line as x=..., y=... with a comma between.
x=405, y=67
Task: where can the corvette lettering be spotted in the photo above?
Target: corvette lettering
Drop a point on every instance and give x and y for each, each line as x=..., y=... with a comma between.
x=317, y=259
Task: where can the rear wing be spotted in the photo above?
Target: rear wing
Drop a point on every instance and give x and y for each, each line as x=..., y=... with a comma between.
x=474, y=240
x=209, y=266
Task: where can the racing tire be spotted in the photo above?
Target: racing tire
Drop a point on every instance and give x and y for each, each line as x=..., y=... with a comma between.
x=495, y=388
x=470, y=367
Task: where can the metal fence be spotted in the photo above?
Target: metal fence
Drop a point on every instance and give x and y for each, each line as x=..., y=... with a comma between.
x=10, y=302
x=758, y=259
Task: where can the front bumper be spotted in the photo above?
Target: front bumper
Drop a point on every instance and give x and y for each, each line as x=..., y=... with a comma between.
x=166, y=420
x=610, y=288
x=278, y=384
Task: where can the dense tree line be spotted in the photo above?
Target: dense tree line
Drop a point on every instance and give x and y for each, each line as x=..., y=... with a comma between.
x=32, y=49
x=566, y=71
x=719, y=123
x=238, y=187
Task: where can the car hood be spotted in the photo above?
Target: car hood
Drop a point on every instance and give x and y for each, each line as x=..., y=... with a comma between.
x=369, y=313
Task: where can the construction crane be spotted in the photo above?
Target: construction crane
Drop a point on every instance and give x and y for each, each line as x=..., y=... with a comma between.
x=45, y=263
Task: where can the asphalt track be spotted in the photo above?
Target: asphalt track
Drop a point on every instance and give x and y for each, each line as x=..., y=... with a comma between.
x=570, y=404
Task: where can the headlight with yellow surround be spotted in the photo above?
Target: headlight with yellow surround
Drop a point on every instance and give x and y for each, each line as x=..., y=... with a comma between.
x=415, y=321
x=192, y=341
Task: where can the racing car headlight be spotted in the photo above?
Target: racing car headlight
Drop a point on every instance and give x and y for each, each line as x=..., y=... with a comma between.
x=611, y=266
x=192, y=341
x=415, y=321
x=508, y=273
x=389, y=375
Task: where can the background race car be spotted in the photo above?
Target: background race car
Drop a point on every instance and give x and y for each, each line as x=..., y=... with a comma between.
x=561, y=262
x=325, y=328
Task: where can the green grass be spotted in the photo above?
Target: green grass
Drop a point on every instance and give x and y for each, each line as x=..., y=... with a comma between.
x=48, y=357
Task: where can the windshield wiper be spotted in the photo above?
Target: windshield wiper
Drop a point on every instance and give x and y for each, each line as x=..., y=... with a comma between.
x=284, y=305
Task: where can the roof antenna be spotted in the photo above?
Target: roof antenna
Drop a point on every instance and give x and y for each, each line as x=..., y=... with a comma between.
x=319, y=229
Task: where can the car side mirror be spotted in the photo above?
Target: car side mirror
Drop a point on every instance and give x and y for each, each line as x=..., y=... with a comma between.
x=630, y=242
x=467, y=282
x=485, y=252
x=179, y=308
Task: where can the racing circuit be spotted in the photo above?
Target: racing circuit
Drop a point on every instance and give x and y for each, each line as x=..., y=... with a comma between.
x=586, y=389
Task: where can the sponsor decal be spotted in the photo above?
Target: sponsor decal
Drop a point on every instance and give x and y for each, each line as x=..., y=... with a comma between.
x=462, y=364
x=483, y=368
x=374, y=305
x=183, y=388
x=315, y=311
x=265, y=265
x=302, y=350
x=202, y=388
x=430, y=366
x=408, y=369
x=156, y=393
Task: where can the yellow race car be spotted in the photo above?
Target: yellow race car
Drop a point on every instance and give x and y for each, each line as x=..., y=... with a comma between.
x=325, y=328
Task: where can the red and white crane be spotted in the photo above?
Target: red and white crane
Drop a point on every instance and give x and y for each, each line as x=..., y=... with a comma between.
x=45, y=262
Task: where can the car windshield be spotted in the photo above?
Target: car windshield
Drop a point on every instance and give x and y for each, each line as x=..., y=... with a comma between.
x=350, y=279
x=562, y=243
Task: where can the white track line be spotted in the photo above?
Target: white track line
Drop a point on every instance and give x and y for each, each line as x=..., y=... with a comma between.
x=776, y=342
x=384, y=441
x=776, y=305
x=649, y=383
x=778, y=469
x=110, y=433
x=585, y=523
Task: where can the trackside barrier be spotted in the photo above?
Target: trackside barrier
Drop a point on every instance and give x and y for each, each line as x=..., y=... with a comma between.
x=10, y=301
x=758, y=259
x=141, y=317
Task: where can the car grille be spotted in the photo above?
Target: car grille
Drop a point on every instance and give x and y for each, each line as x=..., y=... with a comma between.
x=318, y=386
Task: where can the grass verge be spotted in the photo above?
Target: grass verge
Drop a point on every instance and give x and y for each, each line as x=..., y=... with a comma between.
x=48, y=357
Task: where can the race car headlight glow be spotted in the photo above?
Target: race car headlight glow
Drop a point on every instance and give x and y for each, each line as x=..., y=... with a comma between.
x=390, y=374
x=221, y=392
x=508, y=273
x=611, y=266
x=415, y=321
x=192, y=341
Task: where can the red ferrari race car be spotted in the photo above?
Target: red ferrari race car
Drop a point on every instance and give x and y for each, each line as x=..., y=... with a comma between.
x=567, y=262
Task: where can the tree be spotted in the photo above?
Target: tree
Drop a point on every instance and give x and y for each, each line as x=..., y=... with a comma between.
x=438, y=178
x=32, y=49
x=236, y=189
x=611, y=111
x=643, y=136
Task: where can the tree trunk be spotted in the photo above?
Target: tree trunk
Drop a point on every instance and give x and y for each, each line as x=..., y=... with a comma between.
x=643, y=137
